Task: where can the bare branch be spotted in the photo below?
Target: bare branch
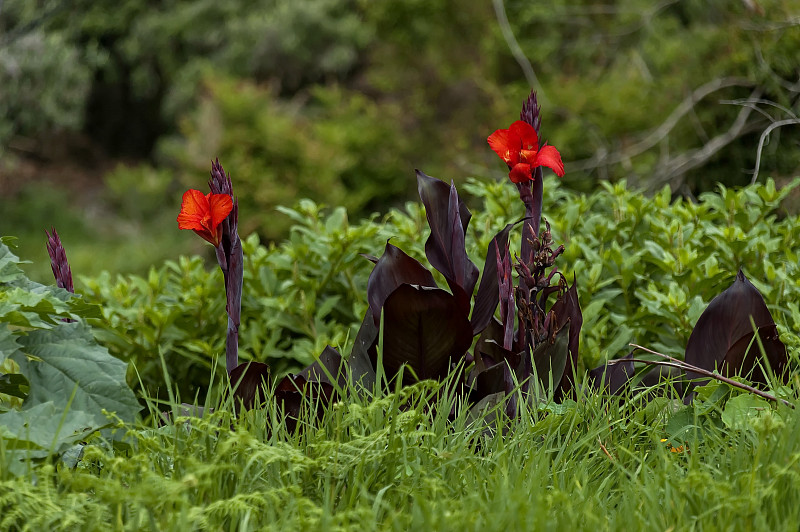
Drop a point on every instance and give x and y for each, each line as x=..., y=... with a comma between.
x=688, y=161
x=675, y=363
x=516, y=50
x=603, y=157
x=787, y=122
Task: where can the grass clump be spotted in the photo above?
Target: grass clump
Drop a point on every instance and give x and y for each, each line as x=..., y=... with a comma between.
x=399, y=461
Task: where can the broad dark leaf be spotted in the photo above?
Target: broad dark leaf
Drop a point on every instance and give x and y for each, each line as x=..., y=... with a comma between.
x=497, y=377
x=448, y=218
x=612, y=376
x=425, y=328
x=488, y=344
x=488, y=293
x=362, y=369
x=724, y=331
x=248, y=380
x=331, y=361
x=568, y=309
x=293, y=390
x=393, y=269
x=550, y=358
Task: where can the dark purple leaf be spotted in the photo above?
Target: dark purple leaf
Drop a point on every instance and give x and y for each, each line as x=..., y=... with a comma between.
x=293, y=390
x=568, y=309
x=331, y=361
x=360, y=360
x=724, y=331
x=247, y=381
x=487, y=297
x=448, y=218
x=550, y=358
x=612, y=376
x=505, y=284
x=393, y=269
x=497, y=376
x=424, y=328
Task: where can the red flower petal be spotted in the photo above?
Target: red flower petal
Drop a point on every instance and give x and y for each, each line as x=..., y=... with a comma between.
x=548, y=156
x=220, y=206
x=521, y=173
x=194, y=209
x=203, y=214
x=528, y=139
x=506, y=145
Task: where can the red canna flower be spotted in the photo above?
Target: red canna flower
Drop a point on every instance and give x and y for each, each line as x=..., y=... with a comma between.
x=203, y=213
x=518, y=146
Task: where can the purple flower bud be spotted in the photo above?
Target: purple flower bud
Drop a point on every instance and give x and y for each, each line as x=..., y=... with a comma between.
x=531, y=112
x=58, y=261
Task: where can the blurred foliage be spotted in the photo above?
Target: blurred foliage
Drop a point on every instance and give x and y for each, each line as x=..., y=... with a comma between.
x=45, y=82
x=645, y=267
x=277, y=152
x=338, y=100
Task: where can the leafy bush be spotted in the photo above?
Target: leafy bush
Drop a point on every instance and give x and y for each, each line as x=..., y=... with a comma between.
x=340, y=148
x=298, y=296
x=57, y=385
x=646, y=268
x=46, y=81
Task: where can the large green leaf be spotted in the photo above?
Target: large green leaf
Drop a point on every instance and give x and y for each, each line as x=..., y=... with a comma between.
x=9, y=271
x=66, y=359
x=45, y=426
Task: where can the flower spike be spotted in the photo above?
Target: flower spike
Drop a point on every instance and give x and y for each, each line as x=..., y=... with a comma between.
x=58, y=261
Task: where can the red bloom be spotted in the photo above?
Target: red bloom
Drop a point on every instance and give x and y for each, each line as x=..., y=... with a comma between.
x=518, y=146
x=203, y=213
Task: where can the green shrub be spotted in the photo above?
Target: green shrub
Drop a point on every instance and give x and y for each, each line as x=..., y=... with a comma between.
x=46, y=81
x=340, y=148
x=646, y=268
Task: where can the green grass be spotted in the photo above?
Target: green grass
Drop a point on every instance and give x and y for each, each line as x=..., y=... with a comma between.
x=397, y=463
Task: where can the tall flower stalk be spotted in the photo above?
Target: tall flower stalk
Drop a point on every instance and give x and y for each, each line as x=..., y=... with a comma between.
x=215, y=217
x=539, y=323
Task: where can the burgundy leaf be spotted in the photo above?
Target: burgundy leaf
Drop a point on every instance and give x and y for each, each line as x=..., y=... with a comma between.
x=424, y=328
x=488, y=296
x=363, y=353
x=489, y=344
x=568, y=309
x=331, y=361
x=724, y=331
x=448, y=218
x=393, y=269
x=247, y=381
x=293, y=390
x=497, y=377
x=612, y=376
x=550, y=358
x=505, y=285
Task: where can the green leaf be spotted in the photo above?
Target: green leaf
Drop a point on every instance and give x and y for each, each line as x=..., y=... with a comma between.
x=45, y=426
x=14, y=384
x=742, y=410
x=67, y=358
x=9, y=271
